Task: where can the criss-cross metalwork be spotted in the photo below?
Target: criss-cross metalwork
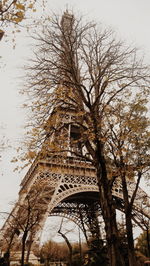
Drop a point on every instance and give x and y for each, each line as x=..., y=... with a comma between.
x=66, y=185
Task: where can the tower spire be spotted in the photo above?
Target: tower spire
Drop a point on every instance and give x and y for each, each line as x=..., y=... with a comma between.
x=67, y=22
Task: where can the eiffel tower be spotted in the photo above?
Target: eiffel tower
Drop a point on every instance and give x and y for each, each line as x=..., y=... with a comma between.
x=66, y=184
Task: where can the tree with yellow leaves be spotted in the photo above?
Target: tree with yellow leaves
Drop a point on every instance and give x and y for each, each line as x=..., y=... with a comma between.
x=14, y=12
x=128, y=147
x=85, y=69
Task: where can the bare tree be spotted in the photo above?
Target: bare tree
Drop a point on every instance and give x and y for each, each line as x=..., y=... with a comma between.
x=21, y=223
x=66, y=241
x=83, y=68
x=7, y=242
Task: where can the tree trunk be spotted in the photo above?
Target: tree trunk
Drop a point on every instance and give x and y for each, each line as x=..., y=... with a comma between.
x=9, y=247
x=148, y=242
x=131, y=252
x=112, y=237
x=128, y=219
x=29, y=249
x=106, y=202
x=69, y=246
x=23, y=248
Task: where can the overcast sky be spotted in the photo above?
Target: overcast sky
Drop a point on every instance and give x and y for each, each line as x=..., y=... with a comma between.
x=130, y=19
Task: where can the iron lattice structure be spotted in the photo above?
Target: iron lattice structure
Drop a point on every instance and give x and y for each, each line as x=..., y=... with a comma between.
x=64, y=184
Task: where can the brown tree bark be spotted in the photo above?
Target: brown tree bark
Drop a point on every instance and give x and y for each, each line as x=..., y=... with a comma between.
x=109, y=216
x=128, y=219
x=148, y=242
x=29, y=248
x=69, y=246
x=23, y=247
x=106, y=201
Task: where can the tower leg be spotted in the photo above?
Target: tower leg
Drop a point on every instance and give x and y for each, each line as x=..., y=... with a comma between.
x=97, y=250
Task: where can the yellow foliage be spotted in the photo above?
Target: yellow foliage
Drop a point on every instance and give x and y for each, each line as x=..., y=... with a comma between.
x=20, y=14
x=13, y=12
x=20, y=6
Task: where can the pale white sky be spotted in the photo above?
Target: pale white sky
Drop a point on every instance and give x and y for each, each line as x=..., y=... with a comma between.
x=129, y=18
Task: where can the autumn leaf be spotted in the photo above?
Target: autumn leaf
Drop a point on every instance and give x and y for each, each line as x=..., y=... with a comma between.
x=20, y=6
x=20, y=14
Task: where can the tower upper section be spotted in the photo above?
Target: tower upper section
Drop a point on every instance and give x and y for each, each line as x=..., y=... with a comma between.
x=67, y=22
